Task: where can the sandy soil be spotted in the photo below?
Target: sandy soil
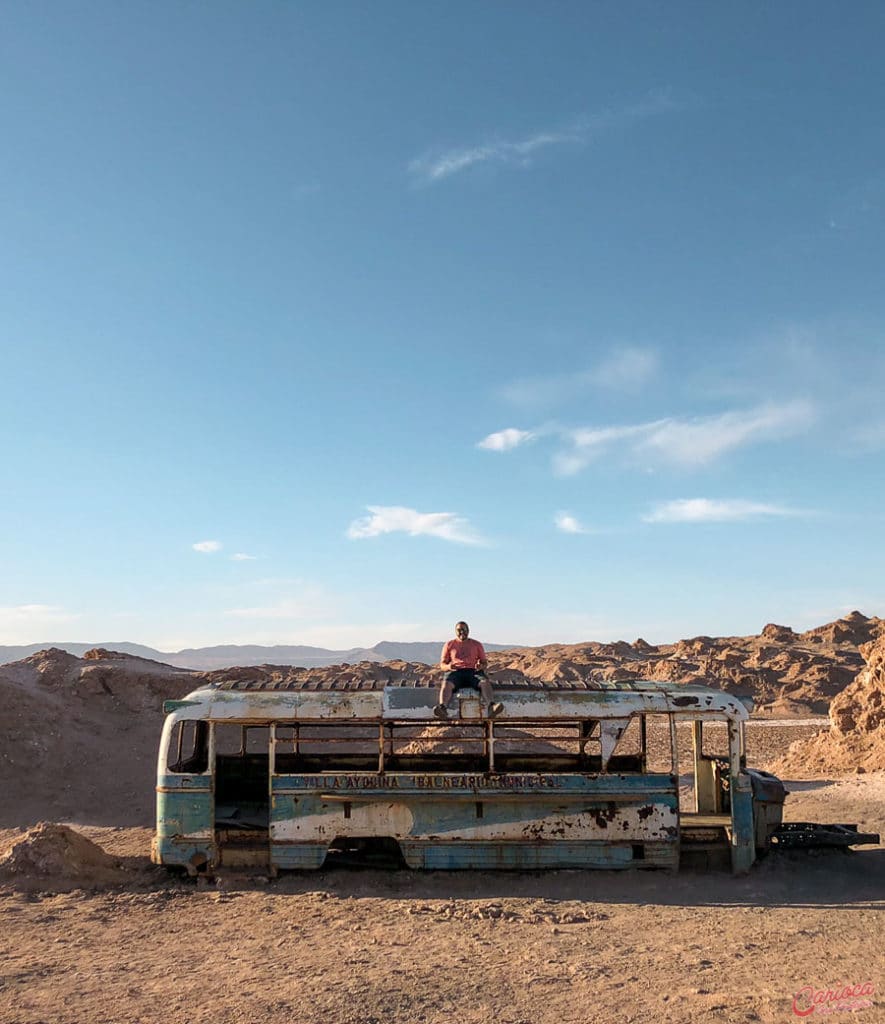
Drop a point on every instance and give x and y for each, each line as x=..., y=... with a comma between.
x=350, y=946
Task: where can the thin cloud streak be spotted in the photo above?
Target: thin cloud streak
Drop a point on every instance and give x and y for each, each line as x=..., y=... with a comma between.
x=701, y=440
x=24, y=613
x=385, y=519
x=297, y=601
x=207, y=547
x=871, y=436
x=690, y=443
x=589, y=443
x=24, y=623
x=288, y=609
x=624, y=370
x=713, y=510
x=433, y=168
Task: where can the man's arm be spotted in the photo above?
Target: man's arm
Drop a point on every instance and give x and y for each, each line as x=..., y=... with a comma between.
x=481, y=659
x=446, y=654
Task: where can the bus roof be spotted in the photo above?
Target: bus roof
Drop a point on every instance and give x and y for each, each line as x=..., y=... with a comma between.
x=301, y=700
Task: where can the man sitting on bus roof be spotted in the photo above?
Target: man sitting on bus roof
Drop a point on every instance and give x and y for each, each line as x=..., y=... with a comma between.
x=465, y=660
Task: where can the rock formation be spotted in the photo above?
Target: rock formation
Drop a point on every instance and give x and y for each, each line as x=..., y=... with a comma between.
x=787, y=674
x=856, y=739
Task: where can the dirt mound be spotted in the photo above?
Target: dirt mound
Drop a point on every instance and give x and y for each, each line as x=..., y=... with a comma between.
x=78, y=737
x=57, y=858
x=856, y=738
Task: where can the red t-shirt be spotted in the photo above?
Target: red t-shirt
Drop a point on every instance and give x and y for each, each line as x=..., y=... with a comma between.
x=463, y=653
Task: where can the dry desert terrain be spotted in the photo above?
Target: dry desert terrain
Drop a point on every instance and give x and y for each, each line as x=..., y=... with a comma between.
x=91, y=933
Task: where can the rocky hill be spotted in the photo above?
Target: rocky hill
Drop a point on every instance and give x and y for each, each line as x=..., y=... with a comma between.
x=856, y=740
x=788, y=674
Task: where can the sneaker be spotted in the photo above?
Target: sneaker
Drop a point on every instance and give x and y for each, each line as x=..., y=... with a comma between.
x=440, y=711
x=495, y=709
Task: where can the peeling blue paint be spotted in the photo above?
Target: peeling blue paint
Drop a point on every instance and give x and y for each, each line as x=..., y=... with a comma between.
x=185, y=811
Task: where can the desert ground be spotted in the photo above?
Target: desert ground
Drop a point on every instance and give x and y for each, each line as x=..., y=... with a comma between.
x=369, y=946
x=94, y=934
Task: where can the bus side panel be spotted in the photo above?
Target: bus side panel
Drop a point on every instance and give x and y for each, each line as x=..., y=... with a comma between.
x=532, y=856
x=300, y=829
x=546, y=820
x=579, y=826
x=185, y=827
x=298, y=856
x=520, y=856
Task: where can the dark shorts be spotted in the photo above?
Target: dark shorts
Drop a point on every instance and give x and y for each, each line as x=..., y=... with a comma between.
x=463, y=679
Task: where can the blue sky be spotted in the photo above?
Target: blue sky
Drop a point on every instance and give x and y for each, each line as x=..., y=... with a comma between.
x=334, y=323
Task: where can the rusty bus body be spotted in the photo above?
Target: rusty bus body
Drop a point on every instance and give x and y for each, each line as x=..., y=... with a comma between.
x=274, y=778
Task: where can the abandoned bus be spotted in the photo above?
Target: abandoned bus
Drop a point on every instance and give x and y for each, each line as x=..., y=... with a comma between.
x=274, y=775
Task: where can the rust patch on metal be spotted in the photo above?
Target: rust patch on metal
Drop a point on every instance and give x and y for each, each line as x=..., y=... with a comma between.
x=603, y=817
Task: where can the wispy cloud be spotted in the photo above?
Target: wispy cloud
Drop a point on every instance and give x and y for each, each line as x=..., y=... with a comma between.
x=872, y=435
x=207, y=547
x=297, y=601
x=294, y=609
x=241, y=556
x=567, y=523
x=505, y=440
x=280, y=628
x=396, y=519
x=26, y=613
x=701, y=440
x=715, y=510
x=689, y=442
x=625, y=369
x=585, y=444
x=434, y=167
x=438, y=165
x=25, y=623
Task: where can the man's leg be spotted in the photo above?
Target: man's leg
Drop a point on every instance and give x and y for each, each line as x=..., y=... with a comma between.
x=447, y=689
x=488, y=695
x=445, y=695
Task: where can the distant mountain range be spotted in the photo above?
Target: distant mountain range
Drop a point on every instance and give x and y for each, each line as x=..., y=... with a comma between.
x=231, y=655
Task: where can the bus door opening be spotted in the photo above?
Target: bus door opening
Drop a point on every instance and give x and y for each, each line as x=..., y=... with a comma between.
x=242, y=793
